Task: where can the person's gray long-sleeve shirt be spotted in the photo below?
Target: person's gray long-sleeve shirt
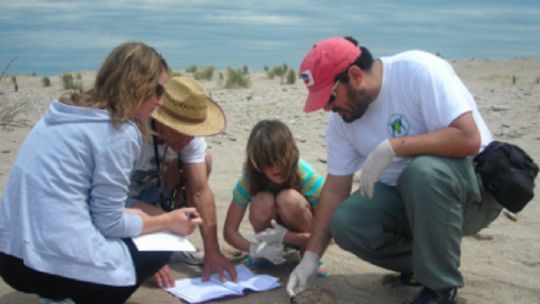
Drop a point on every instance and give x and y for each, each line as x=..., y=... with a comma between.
x=62, y=209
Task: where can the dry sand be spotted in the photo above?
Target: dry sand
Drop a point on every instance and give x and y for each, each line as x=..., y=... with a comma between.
x=500, y=265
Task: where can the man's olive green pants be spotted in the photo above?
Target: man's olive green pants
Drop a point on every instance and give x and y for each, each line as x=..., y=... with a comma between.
x=417, y=225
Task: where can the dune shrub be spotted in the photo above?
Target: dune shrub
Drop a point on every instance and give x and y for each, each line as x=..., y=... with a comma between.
x=205, y=73
x=69, y=83
x=45, y=81
x=191, y=69
x=236, y=79
x=9, y=110
x=15, y=85
x=291, y=77
x=280, y=71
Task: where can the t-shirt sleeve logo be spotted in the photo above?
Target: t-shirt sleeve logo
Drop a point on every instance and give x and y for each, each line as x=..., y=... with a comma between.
x=398, y=126
x=307, y=77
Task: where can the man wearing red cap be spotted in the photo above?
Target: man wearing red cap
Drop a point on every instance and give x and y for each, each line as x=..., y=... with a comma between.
x=411, y=128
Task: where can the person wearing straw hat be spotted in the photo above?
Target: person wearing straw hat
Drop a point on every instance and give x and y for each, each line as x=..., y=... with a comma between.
x=172, y=169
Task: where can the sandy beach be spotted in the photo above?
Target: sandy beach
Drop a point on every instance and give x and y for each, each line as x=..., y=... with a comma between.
x=500, y=265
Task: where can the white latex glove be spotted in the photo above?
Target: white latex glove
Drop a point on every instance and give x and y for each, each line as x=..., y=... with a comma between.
x=272, y=235
x=378, y=160
x=272, y=252
x=306, y=269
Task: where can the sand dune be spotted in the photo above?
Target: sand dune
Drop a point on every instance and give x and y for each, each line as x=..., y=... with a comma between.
x=500, y=265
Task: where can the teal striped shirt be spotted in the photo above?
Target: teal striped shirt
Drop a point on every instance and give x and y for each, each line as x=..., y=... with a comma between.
x=311, y=183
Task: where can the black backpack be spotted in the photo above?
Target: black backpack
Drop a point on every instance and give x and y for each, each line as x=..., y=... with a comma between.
x=508, y=173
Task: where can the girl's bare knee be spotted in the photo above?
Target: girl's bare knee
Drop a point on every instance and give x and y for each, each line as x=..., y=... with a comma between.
x=262, y=210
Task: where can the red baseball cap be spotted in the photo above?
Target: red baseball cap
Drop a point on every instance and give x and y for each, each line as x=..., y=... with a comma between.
x=327, y=59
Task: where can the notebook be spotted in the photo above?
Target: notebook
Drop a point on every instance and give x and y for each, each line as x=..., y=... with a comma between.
x=194, y=290
x=162, y=241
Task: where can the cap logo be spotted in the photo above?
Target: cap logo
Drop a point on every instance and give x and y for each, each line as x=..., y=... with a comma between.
x=307, y=77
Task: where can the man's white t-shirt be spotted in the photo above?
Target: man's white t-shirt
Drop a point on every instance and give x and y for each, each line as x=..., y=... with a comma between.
x=145, y=172
x=420, y=93
x=192, y=153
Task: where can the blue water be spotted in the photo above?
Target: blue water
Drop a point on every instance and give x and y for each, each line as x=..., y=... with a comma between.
x=53, y=37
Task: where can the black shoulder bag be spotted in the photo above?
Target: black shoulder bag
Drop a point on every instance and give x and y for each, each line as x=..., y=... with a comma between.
x=508, y=173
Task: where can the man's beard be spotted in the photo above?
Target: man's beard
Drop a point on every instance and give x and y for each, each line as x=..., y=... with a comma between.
x=360, y=103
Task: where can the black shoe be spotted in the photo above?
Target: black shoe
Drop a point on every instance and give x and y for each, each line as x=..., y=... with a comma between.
x=403, y=279
x=429, y=296
x=408, y=279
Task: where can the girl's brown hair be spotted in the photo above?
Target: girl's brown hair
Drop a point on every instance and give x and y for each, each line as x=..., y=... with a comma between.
x=270, y=144
x=127, y=78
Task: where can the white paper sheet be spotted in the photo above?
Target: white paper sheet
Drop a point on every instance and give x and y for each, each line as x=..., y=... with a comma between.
x=193, y=290
x=162, y=241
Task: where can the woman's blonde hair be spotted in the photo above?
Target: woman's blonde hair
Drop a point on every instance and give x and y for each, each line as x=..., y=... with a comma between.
x=271, y=144
x=127, y=78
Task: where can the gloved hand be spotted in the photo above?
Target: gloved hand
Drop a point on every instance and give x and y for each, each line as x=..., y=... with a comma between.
x=272, y=235
x=306, y=269
x=378, y=160
x=272, y=252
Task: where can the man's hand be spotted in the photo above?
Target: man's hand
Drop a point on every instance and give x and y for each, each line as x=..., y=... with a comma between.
x=272, y=252
x=272, y=235
x=164, y=277
x=306, y=269
x=378, y=160
x=216, y=262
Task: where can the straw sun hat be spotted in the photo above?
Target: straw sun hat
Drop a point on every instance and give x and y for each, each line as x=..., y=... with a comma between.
x=188, y=109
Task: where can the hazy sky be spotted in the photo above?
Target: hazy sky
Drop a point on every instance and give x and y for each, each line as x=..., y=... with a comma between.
x=52, y=37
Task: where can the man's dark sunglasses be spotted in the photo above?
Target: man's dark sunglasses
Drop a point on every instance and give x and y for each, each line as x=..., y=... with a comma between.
x=339, y=77
x=333, y=94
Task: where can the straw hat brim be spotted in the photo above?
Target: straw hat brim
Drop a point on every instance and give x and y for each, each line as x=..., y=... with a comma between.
x=214, y=123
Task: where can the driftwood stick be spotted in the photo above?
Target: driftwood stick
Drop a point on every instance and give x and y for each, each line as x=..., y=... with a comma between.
x=14, y=124
x=7, y=67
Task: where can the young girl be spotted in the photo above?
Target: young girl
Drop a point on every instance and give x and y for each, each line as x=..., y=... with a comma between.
x=280, y=190
x=64, y=232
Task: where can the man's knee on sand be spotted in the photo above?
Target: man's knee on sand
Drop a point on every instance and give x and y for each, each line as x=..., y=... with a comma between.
x=356, y=233
x=370, y=227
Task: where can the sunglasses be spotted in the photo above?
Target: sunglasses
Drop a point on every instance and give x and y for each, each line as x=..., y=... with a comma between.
x=160, y=90
x=333, y=95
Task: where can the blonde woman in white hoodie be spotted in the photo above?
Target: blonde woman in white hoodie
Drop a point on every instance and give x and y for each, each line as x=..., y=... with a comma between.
x=64, y=231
